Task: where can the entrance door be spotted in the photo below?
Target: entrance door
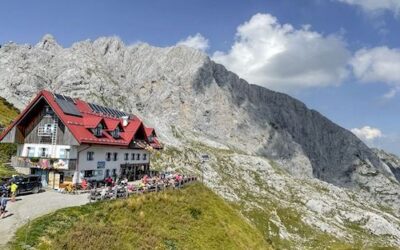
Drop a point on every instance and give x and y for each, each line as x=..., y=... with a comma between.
x=44, y=175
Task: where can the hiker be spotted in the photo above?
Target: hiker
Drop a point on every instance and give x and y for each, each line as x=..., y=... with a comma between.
x=13, y=188
x=3, y=205
x=108, y=181
x=103, y=193
x=84, y=184
x=4, y=189
x=124, y=181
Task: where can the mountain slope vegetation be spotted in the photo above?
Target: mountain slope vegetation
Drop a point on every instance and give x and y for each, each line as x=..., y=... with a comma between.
x=191, y=218
x=7, y=113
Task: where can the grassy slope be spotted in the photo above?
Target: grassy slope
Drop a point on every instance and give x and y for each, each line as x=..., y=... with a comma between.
x=7, y=113
x=263, y=214
x=191, y=218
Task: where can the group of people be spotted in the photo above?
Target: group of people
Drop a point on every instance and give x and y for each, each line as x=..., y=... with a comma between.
x=121, y=187
x=6, y=189
x=161, y=181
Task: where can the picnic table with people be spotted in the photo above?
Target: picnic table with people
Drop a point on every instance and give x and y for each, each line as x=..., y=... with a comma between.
x=123, y=188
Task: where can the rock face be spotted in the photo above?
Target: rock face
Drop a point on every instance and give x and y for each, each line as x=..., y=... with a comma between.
x=391, y=160
x=191, y=99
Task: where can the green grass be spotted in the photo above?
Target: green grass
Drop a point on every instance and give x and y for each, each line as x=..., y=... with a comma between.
x=6, y=171
x=191, y=218
x=7, y=112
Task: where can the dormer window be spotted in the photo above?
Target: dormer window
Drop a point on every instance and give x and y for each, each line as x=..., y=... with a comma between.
x=98, y=131
x=116, y=132
x=48, y=111
x=151, y=138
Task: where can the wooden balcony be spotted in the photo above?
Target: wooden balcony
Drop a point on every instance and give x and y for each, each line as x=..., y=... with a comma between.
x=43, y=163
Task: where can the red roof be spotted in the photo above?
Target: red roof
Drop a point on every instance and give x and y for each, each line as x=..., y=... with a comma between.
x=149, y=131
x=91, y=121
x=80, y=126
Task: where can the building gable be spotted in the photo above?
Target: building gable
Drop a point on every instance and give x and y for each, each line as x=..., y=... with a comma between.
x=76, y=121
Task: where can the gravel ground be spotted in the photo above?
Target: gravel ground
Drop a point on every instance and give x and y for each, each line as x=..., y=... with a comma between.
x=30, y=206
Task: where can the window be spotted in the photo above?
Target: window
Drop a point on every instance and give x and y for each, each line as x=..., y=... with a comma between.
x=88, y=173
x=98, y=131
x=98, y=172
x=144, y=157
x=108, y=156
x=48, y=128
x=31, y=152
x=151, y=139
x=126, y=157
x=107, y=172
x=132, y=156
x=137, y=156
x=115, y=133
x=114, y=172
x=90, y=156
x=64, y=153
x=115, y=156
x=43, y=152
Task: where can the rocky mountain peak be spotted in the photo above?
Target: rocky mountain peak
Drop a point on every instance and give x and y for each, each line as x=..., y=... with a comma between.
x=48, y=42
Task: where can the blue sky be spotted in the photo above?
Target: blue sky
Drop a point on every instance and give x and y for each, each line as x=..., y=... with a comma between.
x=340, y=57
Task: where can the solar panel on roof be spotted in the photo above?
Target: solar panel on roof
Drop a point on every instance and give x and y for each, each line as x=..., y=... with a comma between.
x=58, y=96
x=68, y=107
x=63, y=97
x=91, y=106
x=103, y=110
x=106, y=110
x=115, y=112
x=111, y=112
x=67, y=98
x=96, y=108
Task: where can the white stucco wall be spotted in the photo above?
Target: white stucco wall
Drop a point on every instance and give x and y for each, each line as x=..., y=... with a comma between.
x=100, y=156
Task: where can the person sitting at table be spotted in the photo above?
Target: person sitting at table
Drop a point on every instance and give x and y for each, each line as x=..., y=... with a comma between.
x=84, y=184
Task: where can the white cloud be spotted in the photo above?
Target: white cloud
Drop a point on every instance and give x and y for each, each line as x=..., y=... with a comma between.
x=380, y=64
x=280, y=57
x=373, y=6
x=367, y=133
x=197, y=42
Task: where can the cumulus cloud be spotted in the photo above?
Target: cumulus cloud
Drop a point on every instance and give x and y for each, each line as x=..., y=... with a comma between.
x=380, y=64
x=197, y=42
x=367, y=133
x=373, y=6
x=280, y=57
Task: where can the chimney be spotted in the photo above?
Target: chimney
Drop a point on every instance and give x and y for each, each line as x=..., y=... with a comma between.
x=125, y=120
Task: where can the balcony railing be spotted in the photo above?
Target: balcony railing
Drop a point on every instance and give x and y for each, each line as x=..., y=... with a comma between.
x=43, y=163
x=45, y=131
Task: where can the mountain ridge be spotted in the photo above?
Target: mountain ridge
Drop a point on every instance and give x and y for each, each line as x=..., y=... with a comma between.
x=198, y=106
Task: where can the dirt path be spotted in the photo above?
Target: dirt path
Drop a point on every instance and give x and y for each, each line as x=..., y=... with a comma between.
x=32, y=206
